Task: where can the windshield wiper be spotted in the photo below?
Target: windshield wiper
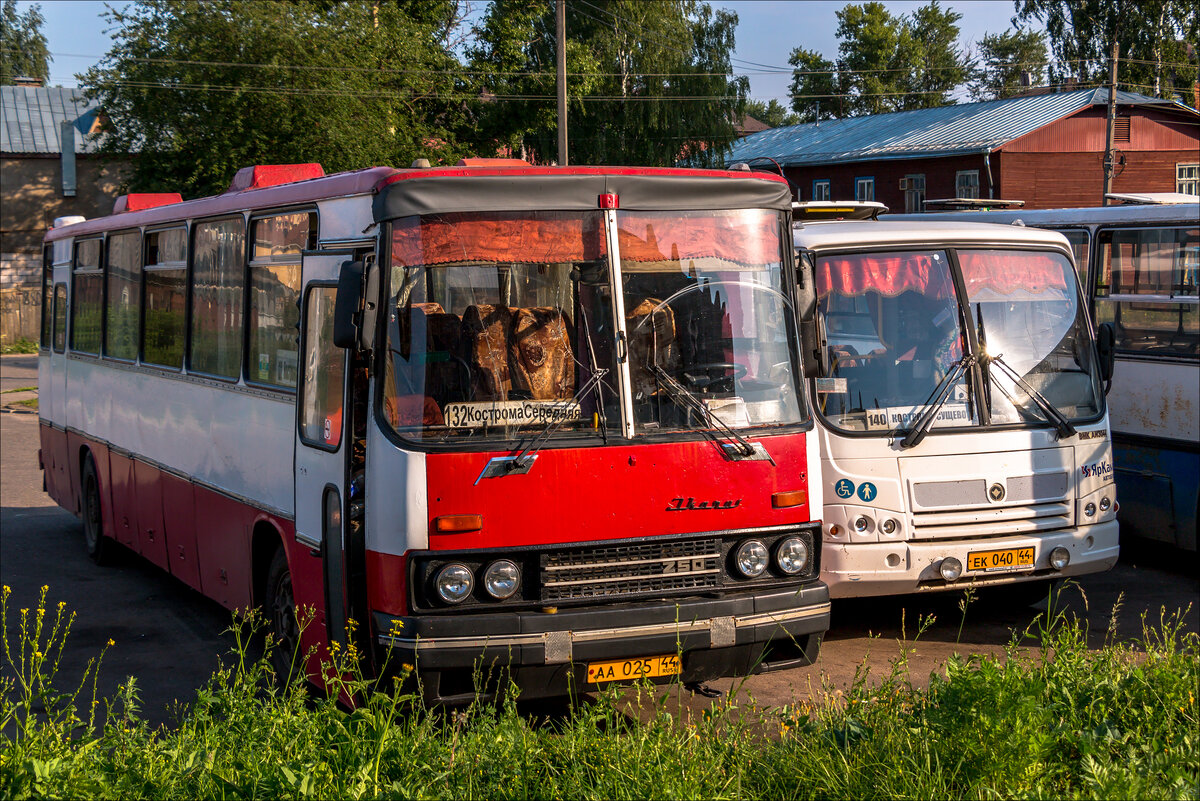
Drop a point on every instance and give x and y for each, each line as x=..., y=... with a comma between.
x=937, y=399
x=1062, y=426
x=744, y=449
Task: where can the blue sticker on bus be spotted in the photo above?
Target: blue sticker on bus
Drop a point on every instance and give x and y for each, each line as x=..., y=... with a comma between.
x=844, y=488
x=866, y=491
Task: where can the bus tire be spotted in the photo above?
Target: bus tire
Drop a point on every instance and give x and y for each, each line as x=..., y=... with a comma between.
x=280, y=608
x=99, y=547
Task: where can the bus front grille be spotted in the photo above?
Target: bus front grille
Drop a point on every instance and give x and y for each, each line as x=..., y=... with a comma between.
x=992, y=521
x=632, y=569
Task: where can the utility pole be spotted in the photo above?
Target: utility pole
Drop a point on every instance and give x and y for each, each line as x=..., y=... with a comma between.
x=1109, y=156
x=560, y=46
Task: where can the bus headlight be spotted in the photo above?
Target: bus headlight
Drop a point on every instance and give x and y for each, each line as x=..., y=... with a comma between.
x=454, y=583
x=751, y=558
x=950, y=568
x=1105, y=504
x=1060, y=557
x=501, y=579
x=791, y=556
x=888, y=526
x=1090, y=509
x=861, y=524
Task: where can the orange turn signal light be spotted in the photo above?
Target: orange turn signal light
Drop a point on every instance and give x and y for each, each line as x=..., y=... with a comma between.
x=457, y=524
x=784, y=500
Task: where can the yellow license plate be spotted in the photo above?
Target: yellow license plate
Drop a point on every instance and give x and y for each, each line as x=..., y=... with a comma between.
x=633, y=669
x=1002, y=561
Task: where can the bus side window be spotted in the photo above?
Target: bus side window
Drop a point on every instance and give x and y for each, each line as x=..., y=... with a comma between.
x=87, y=307
x=324, y=373
x=275, y=246
x=47, y=294
x=164, y=307
x=218, y=277
x=60, y=318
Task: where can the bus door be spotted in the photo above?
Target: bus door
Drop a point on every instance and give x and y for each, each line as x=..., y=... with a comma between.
x=322, y=436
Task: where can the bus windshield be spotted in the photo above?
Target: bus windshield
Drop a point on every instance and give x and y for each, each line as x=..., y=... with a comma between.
x=896, y=330
x=501, y=325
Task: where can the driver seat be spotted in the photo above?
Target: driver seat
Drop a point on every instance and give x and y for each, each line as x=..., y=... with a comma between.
x=651, y=341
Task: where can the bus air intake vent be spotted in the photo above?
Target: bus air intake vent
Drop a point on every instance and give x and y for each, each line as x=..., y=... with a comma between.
x=633, y=569
x=261, y=176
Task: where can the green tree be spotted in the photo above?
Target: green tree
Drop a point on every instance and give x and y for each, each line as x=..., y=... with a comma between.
x=772, y=113
x=885, y=63
x=1003, y=58
x=648, y=83
x=1157, y=41
x=940, y=64
x=200, y=89
x=815, y=89
x=23, y=52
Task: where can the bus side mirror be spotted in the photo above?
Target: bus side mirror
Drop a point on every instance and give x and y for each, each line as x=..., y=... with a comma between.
x=348, y=305
x=814, y=345
x=1106, y=347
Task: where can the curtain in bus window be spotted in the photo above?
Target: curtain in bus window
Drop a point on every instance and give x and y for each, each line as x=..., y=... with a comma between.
x=124, y=299
x=888, y=274
x=217, y=281
x=87, y=297
x=1010, y=272
x=462, y=238
x=276, y=243
x=165, y=274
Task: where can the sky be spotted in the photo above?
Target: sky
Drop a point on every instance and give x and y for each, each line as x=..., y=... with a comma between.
x=768, y=30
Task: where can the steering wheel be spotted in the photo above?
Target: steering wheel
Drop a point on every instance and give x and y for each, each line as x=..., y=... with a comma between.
x=706, y=379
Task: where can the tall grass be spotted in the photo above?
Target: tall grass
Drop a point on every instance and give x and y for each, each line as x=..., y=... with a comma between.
x=1057, y=721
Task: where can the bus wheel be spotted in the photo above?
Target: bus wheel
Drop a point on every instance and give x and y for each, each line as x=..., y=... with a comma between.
x=98, y=546
x=286, y=658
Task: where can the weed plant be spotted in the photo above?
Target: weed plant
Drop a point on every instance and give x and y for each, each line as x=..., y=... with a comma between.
x=1055, y=721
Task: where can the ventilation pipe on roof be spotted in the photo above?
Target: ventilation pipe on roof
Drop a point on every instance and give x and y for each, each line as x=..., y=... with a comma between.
x=68, y=158
x=987, y=163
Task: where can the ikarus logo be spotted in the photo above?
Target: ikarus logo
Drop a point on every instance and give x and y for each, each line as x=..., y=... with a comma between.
x=1097, y=470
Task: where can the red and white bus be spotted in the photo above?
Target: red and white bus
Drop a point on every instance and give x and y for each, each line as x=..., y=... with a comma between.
x=546, y=418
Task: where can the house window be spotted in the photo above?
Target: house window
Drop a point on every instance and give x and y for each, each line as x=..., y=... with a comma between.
x=966, y=183
x=864, y=189
x=1187, y=179
x=914, y=193
x=821, y=190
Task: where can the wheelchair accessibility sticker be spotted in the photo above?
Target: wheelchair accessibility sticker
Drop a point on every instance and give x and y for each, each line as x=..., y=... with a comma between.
x=844, y=488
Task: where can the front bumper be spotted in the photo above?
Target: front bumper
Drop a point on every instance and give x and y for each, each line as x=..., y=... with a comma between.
x=894, y=568
x=545, y=652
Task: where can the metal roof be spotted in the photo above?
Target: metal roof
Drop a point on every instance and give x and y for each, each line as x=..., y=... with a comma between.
x=942, y=131
x=939, y=233
x=30, y=117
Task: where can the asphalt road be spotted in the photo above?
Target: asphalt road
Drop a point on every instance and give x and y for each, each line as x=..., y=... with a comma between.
x=171, y=639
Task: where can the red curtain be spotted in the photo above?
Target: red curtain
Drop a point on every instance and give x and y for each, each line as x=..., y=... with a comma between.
x=743, y=237
x=1007, y=271
x=886, y=273
x=749, y=237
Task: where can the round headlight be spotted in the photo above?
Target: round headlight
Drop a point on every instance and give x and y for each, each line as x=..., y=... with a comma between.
x=1090, y=509
x=861, y=524
x=501, y=579
x=791, y=556
x=454, y=583
x=1105, y=504
x=751, y=558
x=1060, y=557
x=888, y=526
x=950, y=568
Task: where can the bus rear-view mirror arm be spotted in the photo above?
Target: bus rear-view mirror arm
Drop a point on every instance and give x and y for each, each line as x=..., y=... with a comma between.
x=1106, y=347
x=347, y=308
x=814, y=344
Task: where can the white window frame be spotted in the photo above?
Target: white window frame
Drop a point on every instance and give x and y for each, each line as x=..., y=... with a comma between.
x=822, y=189
x=1187, y=178
x=914, y=193
x=966, y=183
x=864, y=189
